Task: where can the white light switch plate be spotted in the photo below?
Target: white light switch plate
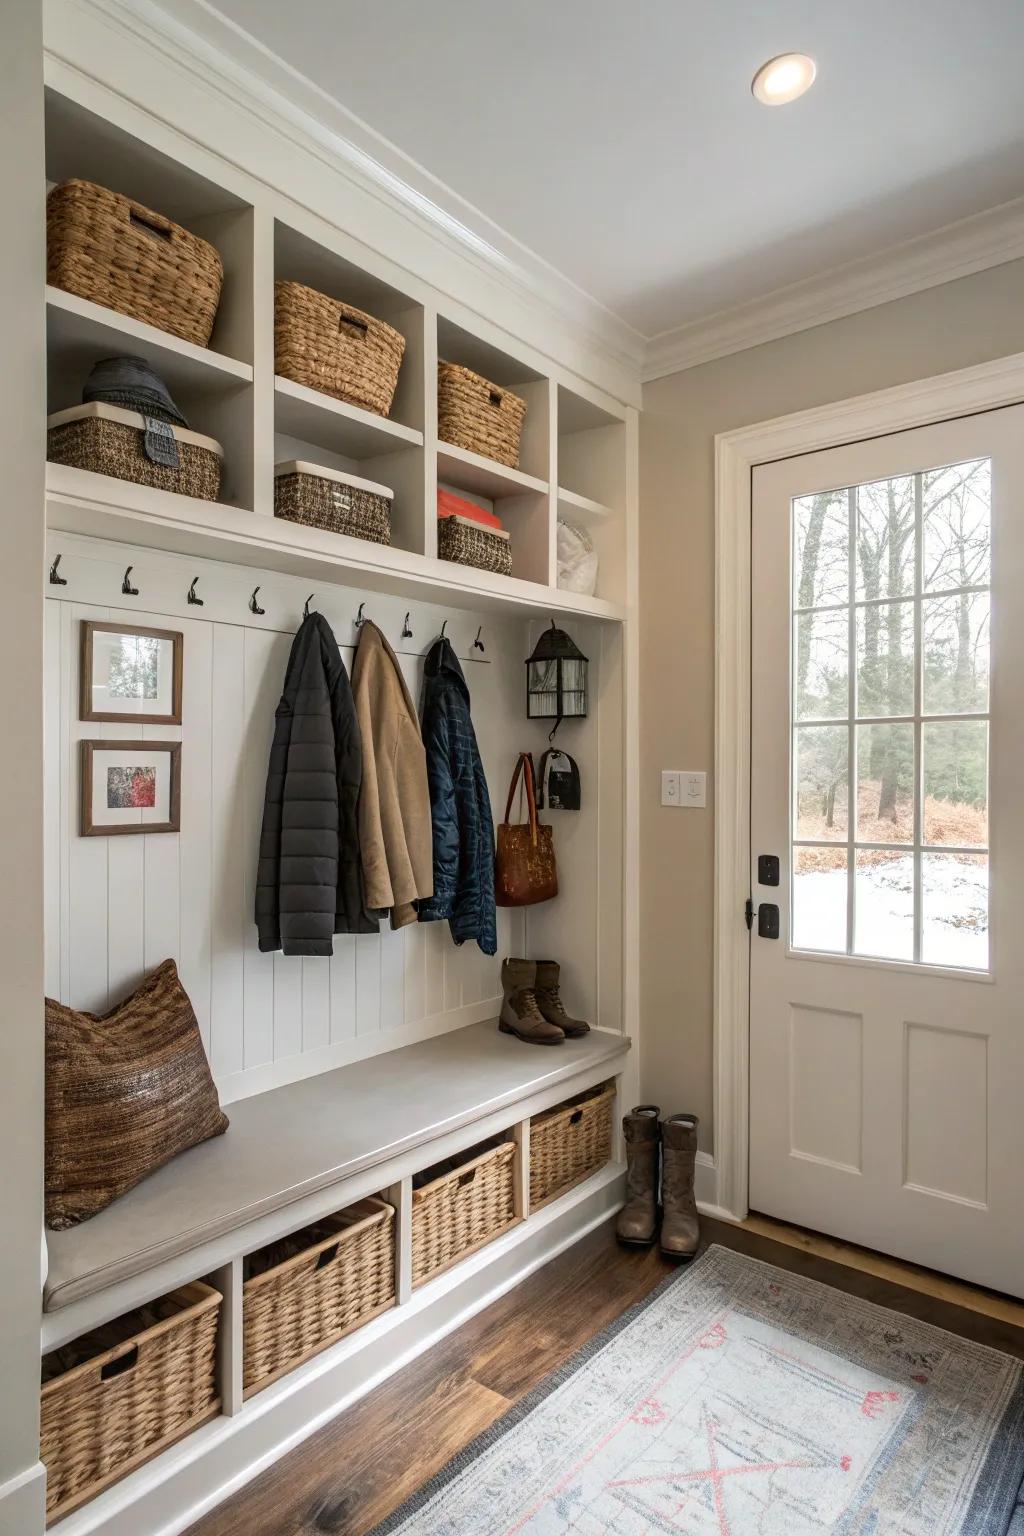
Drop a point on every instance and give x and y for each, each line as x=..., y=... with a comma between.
x=680, y=787
x=693, y=789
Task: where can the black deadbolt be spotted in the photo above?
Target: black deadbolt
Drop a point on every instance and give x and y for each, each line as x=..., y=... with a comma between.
x=767, y=869
x=767, y=920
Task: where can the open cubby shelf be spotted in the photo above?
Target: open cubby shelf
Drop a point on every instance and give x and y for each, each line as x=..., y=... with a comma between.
x=573, y=453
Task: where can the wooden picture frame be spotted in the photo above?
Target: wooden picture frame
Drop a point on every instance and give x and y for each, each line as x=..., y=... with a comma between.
x=91, y=827
x=87, y=658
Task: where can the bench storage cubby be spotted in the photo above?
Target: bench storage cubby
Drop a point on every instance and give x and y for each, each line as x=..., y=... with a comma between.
x=310, y=1289
x=118, y=1395
x=570, y=1142
x=460, y=1205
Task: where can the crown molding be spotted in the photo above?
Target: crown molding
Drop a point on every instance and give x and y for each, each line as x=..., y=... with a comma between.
x=970, y=245
x=189, y=38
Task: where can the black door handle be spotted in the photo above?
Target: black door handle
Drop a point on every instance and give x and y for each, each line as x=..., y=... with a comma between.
x=767, y=920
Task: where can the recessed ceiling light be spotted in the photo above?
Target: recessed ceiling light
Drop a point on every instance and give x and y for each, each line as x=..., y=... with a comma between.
x=784, y=78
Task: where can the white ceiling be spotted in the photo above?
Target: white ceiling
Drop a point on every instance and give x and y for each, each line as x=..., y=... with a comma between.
x=620, y=142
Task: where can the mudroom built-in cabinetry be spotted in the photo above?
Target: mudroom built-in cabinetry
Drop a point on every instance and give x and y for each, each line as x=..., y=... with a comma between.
x=378, y=1120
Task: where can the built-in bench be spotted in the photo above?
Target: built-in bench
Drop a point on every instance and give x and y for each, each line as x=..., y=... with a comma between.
x=298, y=1141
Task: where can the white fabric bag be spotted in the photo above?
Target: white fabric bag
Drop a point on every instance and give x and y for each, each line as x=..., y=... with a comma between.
x=577, y=559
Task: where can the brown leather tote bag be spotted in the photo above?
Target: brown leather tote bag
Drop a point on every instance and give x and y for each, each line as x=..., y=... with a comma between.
x=524, y=869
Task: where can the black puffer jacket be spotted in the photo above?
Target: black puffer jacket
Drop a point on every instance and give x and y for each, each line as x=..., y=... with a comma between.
x=308, y=883
x=460, y=807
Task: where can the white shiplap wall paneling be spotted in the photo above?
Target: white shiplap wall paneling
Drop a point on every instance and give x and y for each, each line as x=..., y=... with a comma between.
x=117, y=906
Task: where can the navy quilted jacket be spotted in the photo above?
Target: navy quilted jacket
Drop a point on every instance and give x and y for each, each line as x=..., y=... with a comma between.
x=460, y=807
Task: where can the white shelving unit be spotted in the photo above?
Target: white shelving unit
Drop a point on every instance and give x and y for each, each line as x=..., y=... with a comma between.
x=578, y=461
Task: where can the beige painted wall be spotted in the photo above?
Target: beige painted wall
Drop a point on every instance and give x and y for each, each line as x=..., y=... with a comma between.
x=22, y=450
x=969, y=321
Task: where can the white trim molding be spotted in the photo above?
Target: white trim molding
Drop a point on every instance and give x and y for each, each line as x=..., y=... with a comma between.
x=941, y=398
x=973, y=244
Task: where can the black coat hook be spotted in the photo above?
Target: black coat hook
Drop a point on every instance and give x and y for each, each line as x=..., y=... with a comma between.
x=254, y=606
x=309, y=599
x=478, y=644
x=359, y=620
x=443, y=626
x=55, y=579
x=406, y=627
x=126, y=586
x=192, y=598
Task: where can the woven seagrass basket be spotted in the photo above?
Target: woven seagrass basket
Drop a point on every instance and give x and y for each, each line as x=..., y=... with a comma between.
x=120, y=1394
x=338, y=350
x=110, y=441
x=309, y=1290
x=462, y=1210
x=473, y=413
x=329, y=499
x=112, y=250
x=469, y=543
x=570, y=1142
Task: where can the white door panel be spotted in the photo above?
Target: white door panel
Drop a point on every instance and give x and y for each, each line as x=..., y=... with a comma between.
x=887, y=1020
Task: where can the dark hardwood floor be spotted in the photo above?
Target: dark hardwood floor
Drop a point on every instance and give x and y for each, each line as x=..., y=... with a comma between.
x=347, y=1477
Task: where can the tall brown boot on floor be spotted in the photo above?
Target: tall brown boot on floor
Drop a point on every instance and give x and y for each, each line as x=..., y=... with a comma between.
x=549, y=1001
x=680, y=1224
x=519, y=1012
x=638, y=1220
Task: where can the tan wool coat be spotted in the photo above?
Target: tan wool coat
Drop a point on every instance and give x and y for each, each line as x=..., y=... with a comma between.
x=395, y=843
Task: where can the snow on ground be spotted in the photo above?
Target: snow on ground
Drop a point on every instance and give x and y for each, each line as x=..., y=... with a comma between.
x=955, y=916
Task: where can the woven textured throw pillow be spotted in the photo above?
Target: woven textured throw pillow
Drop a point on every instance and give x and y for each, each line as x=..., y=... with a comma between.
x=126, y=1091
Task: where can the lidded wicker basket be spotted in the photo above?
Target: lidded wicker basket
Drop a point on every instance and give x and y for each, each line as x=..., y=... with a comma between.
x=570, y=1142
x=116, y=252
x=117, y=1395
x=462, y=1209
x=470, y=543
x=108, y=440
x=304, y=1293
x=332, y=500
x=336, y=349
x=475, y=414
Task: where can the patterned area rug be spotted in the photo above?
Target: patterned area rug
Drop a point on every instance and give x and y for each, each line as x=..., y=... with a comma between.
x=743, y=1400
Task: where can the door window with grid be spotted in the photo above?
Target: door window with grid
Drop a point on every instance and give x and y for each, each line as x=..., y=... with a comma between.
x=890, y=699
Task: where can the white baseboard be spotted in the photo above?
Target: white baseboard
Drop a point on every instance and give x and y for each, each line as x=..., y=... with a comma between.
x=169, y=1494
x=23, y=1503
x=706, y=1184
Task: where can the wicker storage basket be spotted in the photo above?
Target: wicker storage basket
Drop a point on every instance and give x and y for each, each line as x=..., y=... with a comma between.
x=110, y=441
x=107, y=248
x=302, y=1294
x=569, y=1143
x=327, y=498
x=127, y=1390
x=473, y=413
x=329, y=346
x=462, y=1210
x=470, y=543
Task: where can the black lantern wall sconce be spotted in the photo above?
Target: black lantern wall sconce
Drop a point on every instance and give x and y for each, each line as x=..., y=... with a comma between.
x=556, y=679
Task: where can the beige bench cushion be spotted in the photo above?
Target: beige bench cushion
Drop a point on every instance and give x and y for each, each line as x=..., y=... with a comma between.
x=295, y=1140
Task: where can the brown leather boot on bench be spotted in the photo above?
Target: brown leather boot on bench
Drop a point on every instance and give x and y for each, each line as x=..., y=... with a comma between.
x=637, y=1222
x=680, y=1224
x=549, y=1001
x=520, y=1015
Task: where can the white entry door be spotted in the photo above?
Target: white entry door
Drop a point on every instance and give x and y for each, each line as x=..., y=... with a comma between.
x=887, y=771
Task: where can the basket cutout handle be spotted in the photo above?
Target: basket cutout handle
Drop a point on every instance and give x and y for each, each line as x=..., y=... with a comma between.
x=121, y=1364
x=150, y=226
x=495, y=396
x=467, y=1177
x=576, y=1117
x=353, y=323
x=327, y=1256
